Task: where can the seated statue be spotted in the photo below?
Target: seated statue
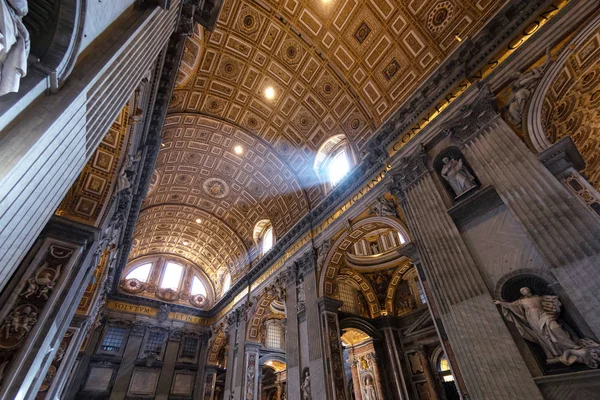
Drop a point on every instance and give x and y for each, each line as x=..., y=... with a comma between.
x=536, y=318
x=14, y=45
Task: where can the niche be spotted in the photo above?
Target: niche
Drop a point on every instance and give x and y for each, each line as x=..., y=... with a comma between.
x=456, y=175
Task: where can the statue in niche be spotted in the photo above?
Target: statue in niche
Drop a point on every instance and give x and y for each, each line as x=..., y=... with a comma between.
x=523, y=86
x=305, y=386
x=301, y=299
x=14, y=45
x=374, y=248
x=456, y=174
x=369, y=389
x=125, y=175
x=536, y=318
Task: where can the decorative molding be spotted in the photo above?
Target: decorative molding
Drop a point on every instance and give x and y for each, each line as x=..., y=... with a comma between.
x=473, y=117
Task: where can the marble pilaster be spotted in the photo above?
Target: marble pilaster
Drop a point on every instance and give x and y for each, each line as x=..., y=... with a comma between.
x=316, y=362
x=168, y=369
x=332, y=345
x=467, y=314
x=130, y=355
x=292, y=344
x=566, y=233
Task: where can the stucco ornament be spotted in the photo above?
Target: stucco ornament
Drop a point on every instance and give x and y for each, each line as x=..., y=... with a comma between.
x=457, y=175
x=536, y=318
x=523, y=86
x=14, y=45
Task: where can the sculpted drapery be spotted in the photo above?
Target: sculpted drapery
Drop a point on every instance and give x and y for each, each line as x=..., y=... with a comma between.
x=14, y=45
x=536, y=318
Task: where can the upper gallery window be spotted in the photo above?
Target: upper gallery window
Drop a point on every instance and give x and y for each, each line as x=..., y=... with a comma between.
x=198, y=287
x=444, y=369
x=175, y=279
x=226, y=283
x=333, y=161
x=171, y=276
x=140, y=273
x=264, y=236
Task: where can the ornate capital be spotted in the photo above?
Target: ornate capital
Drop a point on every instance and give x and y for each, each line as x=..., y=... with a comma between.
x=138, y=328
x=306, y=263
x=409, y=171
x=473, y=117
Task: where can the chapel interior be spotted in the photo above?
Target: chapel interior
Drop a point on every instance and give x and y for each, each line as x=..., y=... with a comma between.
x=300, y=199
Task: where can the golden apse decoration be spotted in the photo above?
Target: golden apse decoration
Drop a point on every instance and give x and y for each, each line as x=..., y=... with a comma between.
x=572, y=105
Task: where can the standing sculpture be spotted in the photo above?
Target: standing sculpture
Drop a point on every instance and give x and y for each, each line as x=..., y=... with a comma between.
x=14, y=45
x=457, y=175
x=536, y=318
x=523, y=86
x=305, y=386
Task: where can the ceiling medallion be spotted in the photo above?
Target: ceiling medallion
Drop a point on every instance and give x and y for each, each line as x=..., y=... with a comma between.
x=440, y=16
x=362, y=32
x=391, y=70
x=215, y=187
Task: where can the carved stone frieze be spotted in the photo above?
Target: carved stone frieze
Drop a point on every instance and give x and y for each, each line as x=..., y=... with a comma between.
x=410, y=170
x=473, y=117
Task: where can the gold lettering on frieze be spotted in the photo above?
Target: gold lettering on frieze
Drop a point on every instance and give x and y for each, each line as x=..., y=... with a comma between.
x=131, y=308
x=145, y=310
x=485, y=71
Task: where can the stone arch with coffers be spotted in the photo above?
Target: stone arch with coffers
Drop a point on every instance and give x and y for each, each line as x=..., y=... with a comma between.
x=335, y=257
x=216, y=343
x=366, y=289
x=567, y=100
x=399, y=272
x=260, y=311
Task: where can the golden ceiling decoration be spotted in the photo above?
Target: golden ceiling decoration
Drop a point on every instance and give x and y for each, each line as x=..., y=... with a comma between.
x=572, y=105
x=353, y=337
x=172, y=229
x=87, y=199
x=335, y=67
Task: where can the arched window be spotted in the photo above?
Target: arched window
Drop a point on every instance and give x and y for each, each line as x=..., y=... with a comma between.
x=443, y=367
x=333, y=160
x=198, y=287
x=264, y=236
x=275, y=334
x=226, y=283
x=171, y=276
x=140, y=273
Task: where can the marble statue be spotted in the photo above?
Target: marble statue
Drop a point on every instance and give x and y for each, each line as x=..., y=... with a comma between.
x=14, y=44
x=456, y=174
x=384, y=207
x=536, y=318
x=523, y=86
x=124, y=180
x=305, y=386
x=369, y=390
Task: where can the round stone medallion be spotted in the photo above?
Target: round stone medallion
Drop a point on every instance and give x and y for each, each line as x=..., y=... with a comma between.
x=215, y=187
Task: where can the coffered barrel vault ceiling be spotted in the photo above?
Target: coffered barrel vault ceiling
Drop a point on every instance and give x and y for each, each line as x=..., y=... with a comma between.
x=337, y=67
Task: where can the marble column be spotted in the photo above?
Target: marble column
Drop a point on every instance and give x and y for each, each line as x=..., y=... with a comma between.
x=424, y=359
x=231, y=355
x=130, y=355
x=44, y=293
x=372, y=357
x=168, y=368
x=203, y=370
x=251, y=372
x=565, y=232
x=486, y=356
x=78, y=375
x=398, y=383
x=292, y=344
x=332, y=345
x=210, y=378
x=316, y=360
x=355, y=377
